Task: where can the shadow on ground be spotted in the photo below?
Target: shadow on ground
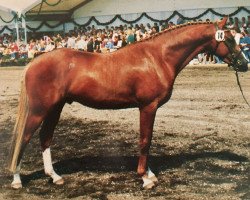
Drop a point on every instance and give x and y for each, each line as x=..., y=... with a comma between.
x=98, y=159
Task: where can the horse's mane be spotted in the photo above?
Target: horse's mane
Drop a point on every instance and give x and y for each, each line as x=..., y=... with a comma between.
x=172, y=28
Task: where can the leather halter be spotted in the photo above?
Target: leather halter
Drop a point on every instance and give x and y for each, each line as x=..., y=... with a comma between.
x=232, y=56
x=235, y=62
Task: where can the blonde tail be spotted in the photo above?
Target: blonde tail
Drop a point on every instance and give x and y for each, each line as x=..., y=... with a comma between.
x=18, y=132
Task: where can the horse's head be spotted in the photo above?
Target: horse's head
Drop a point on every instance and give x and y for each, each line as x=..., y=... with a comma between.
x=227, y=49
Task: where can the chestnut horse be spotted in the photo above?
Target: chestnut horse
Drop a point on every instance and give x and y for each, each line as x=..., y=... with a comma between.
x=139, y=75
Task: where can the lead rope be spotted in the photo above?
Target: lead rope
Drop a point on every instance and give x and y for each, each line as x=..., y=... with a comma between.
x=238, y=82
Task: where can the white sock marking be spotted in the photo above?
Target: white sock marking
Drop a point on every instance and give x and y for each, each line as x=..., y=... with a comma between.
x=150, y=173
x=48, y=167
x=17, y=183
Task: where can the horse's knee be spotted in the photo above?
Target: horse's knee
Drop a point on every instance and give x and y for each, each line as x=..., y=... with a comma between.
x=144, y=146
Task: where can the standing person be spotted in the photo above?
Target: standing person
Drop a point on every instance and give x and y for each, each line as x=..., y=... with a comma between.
x=236, y=36
x=110, y=45
x=14, y=50
x=50, y=46
x=243, y=24
x=97, y=44
x=42, y=45
x=157, y=28
x=130, y=36
x=248, y=23
x=138, y=34
x=31, y=48
x=142, y=29
x=90, y=45
x=237, y=24
x=153, y=31
x=121, y=41
x=148, y=28
x=71, y=41
x=81, y=44
x=230, y=23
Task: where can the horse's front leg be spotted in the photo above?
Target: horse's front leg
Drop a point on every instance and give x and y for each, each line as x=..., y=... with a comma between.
x=147, y=117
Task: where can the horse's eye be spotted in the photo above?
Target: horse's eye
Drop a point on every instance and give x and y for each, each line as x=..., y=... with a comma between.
x=239, y=62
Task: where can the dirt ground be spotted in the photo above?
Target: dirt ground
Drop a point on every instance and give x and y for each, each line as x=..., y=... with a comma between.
x=200, y=148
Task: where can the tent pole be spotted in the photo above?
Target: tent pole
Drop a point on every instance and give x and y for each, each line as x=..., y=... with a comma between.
x=17, y=31
x=25, y=29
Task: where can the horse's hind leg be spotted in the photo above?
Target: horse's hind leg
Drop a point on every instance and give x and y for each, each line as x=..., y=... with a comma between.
x=31, y=125
x=46, y=135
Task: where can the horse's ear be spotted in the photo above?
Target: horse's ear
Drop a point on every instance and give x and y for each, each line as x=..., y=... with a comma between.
x=222, y=23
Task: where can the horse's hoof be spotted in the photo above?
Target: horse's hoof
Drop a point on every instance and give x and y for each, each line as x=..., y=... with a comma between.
x=59, y=182
x=16, y=186
x=149, y=186
x=154, y=179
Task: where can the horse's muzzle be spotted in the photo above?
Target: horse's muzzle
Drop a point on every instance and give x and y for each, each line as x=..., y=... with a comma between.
x=241, y=65
x=243, y=68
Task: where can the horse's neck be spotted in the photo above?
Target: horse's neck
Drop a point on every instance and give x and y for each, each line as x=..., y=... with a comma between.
x=181, y=45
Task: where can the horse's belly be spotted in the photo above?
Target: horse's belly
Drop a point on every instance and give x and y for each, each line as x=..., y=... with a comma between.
x=102, y=99
x=108, y=103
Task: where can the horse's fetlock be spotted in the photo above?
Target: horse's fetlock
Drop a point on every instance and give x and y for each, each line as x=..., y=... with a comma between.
x=141, y=171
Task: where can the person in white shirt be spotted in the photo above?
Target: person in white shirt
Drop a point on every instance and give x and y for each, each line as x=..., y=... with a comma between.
x=71, y=42
x=236, y=36
x=81, y=44
x=50, y=46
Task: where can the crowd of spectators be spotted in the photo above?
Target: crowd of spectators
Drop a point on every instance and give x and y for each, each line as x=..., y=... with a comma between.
x=110, y=39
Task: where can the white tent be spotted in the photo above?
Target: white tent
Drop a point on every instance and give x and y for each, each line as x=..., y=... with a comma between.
x=18, y=7
x=40, y=10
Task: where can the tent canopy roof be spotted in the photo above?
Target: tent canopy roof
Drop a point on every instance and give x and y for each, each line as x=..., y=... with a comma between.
x=20, y=6
x=43, y=9
x=57, y=6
